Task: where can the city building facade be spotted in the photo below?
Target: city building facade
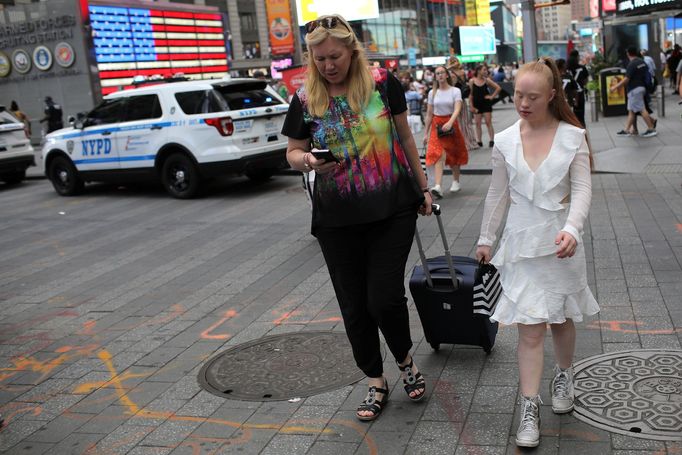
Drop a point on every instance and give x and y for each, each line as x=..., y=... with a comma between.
x=553, y=22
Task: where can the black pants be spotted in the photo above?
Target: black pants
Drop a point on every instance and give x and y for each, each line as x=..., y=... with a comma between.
x=367, y=266
x=579, y=108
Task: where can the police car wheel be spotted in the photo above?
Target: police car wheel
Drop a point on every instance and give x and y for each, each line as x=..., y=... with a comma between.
x=180, y=176
x=64, y=177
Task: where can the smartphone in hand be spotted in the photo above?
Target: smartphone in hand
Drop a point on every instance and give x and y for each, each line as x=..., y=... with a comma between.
x=325, y=155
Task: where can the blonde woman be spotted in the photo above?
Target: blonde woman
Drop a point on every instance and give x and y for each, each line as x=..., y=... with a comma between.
x=444, y=139
x=366, y=197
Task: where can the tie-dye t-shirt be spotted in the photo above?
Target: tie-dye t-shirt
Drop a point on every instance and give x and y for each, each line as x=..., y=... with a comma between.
x=374, y=180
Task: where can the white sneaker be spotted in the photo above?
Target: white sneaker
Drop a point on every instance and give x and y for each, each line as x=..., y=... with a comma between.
x=562, y=390
x=528, y=434
x=437, y=192
x=455, y=186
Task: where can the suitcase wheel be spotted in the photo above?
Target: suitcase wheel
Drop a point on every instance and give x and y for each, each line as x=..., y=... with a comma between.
x=488, y=350
x=435, y=346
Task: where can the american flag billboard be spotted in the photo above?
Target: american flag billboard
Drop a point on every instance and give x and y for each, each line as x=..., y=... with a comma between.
x=139, y=41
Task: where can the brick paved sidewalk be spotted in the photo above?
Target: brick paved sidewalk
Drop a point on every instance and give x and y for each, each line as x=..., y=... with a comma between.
x=111, y=302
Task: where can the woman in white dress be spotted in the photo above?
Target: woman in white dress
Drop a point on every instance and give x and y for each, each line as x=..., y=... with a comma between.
x=541, y=171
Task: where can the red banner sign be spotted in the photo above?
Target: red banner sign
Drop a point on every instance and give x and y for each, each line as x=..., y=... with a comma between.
x=294, y=77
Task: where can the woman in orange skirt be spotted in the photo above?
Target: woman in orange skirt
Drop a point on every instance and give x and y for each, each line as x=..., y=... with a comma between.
x=445, y=141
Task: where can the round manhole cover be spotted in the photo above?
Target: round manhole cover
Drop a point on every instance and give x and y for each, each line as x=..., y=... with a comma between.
x=281, y=367
x=637, y=393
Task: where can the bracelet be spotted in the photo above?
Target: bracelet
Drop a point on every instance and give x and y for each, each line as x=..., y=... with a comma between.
x=305, y=162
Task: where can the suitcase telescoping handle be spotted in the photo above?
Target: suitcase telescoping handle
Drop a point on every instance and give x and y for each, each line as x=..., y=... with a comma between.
x=435, y=209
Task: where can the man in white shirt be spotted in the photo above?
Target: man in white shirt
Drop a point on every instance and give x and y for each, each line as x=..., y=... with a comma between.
x=649, y=62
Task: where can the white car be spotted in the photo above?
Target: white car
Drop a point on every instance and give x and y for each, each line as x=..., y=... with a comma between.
x=180, y=133
x=16, y=153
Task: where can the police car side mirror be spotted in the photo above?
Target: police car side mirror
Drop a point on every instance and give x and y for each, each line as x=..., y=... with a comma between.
x=78, y=125
x=71, y=119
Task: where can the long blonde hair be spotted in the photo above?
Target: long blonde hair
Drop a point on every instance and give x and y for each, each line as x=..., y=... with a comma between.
x=360, y=80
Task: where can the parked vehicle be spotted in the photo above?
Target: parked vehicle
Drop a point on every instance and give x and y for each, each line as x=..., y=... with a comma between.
x=16, y=153
x=180, y=133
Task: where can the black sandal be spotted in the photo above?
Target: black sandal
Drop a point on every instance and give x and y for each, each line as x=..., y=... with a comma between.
x=413, y=382
x=370, y=403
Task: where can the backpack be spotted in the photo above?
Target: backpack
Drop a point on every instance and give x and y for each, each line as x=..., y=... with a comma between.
x=650, y=82
x=464, y=88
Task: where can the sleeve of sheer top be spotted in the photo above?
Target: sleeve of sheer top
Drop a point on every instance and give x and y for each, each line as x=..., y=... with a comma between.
x=496, y=201
x=581, y=192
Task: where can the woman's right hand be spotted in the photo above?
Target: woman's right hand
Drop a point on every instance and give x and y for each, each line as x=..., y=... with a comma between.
x=320, y=166
x=483, y=252
x=426, y=137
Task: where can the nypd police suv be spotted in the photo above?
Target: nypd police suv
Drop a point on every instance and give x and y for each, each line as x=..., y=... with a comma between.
x=181, y=133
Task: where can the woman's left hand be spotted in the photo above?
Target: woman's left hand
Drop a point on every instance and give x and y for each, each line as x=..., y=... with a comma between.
x=566, y=244
x=425, y=208
x=446, y=126
x=488, y=97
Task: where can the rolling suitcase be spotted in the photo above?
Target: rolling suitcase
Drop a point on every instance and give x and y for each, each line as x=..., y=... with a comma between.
x=442, y=289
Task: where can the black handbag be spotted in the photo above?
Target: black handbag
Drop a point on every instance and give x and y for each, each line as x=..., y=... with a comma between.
x=487, y=289
x=441, y=133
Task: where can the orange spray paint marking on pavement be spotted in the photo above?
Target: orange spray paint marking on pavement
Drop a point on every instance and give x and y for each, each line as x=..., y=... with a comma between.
x=88, y=328
x=105, y=357
x=679, y=227
x=46, y=367
x=280, y=320
x=621, y=327
x=284, y=319
x=206, y=334
x=35, y=410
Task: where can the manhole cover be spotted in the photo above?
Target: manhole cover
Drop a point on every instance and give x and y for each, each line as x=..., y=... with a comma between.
x=637, y=393
x=281, y=367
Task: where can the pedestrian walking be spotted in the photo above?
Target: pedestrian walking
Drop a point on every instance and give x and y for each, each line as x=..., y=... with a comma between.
x=459, y=78
x=581, y=76
x=540, y=164
x=442, y=136
x=366, y=196
x=19, y=114
x=671, y=63
x=414, y=105
x=569, y=84
x=635, y=81
x=481, y=102
x=53, y=115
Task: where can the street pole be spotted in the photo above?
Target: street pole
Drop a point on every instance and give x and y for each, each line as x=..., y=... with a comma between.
x=530, y=32
x=447, y=23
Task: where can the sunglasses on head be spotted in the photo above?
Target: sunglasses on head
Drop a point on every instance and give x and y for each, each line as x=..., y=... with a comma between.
x=328, y=22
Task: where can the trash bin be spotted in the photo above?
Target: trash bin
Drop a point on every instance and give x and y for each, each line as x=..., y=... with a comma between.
x=612, y=103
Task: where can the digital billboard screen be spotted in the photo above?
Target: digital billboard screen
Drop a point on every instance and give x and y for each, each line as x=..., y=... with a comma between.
x=477, y=40
x=351, y=10
x=130, y=42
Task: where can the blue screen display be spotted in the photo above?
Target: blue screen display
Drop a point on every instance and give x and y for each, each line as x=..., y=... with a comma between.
x=477, y=40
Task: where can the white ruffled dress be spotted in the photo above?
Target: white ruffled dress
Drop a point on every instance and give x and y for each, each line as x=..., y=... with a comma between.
x=537, y=286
